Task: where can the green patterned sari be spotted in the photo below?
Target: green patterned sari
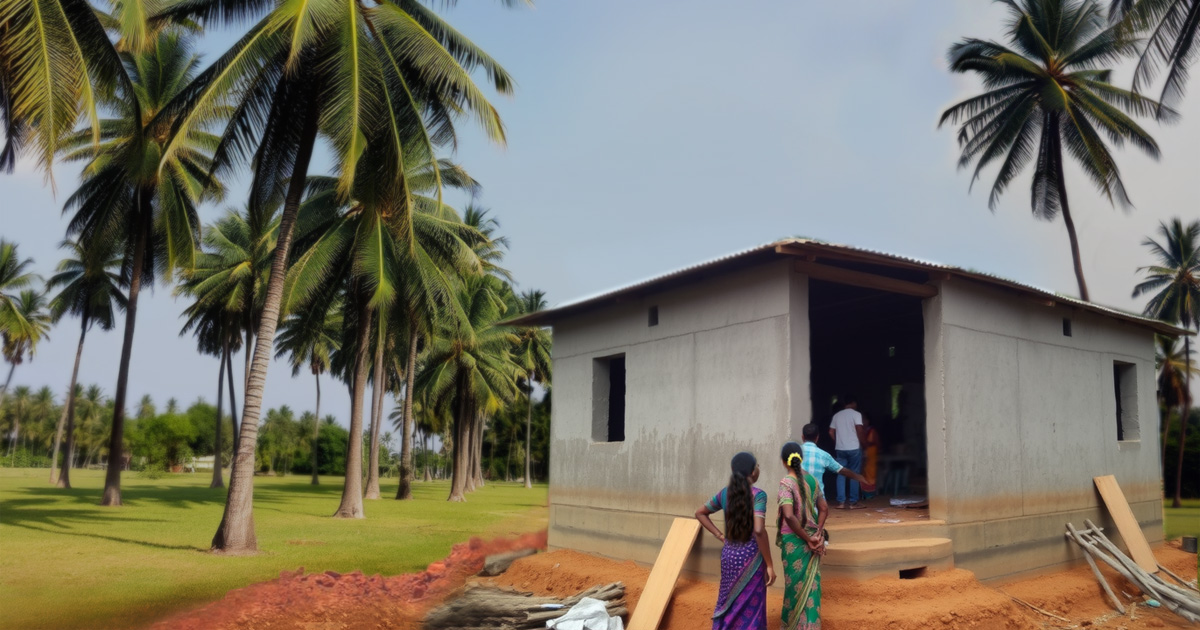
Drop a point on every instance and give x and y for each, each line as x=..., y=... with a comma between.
x=801, y=567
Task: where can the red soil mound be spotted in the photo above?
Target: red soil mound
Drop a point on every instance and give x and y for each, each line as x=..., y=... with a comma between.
x=952, y=599
x=333, y=601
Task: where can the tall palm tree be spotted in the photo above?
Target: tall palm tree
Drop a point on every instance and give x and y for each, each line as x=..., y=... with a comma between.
x=383, y=83
x=1174, y=27
x=309, y=337
x=29, y=326
x=393, y=260
x=1174, y=369
x=1047, y=92
x=234, y=272
x=470, y=370
x=217, y=333
x=132, y=196
x=533, y=355
x=1175, y=281
x=89, y=286
x=14, y=276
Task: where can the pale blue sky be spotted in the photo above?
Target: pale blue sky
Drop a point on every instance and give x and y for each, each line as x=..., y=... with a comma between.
x=646, y=136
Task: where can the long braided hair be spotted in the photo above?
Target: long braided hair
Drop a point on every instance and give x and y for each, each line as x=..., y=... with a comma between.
x=792, y=456
x=739, y=510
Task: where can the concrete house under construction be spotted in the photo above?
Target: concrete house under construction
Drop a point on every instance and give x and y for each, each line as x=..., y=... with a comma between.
x=1000, y=402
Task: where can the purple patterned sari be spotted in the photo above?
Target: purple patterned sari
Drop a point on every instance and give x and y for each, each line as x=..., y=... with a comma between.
x=742, y=602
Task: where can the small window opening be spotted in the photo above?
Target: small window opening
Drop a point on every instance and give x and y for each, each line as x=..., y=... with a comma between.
x=1125, y=395
x=1066, y=326
x=608, y=399
x=912, y=574
x=653, y=316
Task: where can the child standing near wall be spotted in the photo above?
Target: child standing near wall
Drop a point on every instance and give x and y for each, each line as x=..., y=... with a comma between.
x=746, y=569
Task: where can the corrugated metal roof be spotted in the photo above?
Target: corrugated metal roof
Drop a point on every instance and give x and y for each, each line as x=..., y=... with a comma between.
x=816, y=247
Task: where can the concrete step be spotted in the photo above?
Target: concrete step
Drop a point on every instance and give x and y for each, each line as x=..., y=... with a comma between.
x=875, y=532
x=901, y=558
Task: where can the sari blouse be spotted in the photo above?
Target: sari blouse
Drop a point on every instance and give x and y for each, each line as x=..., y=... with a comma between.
x=790, y=494
x=720, y=501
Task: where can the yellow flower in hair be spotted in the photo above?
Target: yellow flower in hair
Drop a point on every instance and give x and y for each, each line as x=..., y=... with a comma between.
x=796, y=456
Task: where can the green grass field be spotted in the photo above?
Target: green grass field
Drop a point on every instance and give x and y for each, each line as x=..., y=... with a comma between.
x=65, y=562
x=1184, y=521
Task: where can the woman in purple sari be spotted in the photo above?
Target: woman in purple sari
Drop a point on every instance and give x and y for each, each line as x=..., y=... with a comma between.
x=746, y=569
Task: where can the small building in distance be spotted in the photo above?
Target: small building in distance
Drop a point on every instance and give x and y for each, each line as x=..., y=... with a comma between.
x=999, y=402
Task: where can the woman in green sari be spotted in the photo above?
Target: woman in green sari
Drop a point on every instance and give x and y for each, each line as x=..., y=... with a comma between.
x=802, y=513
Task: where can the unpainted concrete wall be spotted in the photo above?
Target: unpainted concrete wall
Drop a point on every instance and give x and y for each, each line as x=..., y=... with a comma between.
x=711, y=379
x=1027, y=419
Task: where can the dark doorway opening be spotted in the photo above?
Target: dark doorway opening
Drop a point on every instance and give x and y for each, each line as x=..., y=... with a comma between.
x=872, y=343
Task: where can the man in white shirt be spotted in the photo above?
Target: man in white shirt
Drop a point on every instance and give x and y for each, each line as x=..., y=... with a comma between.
x=848, y=435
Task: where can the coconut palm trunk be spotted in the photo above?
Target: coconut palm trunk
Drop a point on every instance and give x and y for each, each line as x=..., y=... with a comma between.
x=67, y=421
x=477, y=453
x=217, y=480
x=116, y=442
x=404, y=491
x=377, y=391
x=316, y=481
x=1056, y=138
x=235, y=534
x=1183, y=420
x=529, y=431
x=233, y=422
x=352, y=494
x=460, y=461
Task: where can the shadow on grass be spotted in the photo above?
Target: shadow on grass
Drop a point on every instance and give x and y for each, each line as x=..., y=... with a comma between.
x=141, y=543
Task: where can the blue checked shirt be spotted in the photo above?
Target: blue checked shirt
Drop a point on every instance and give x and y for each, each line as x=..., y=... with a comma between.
x=816, y=461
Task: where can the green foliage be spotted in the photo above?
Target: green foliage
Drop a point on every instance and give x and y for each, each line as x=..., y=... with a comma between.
x=1191, y=456
x=153, y=470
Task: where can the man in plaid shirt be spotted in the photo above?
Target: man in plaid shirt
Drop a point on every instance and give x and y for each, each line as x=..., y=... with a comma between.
x=817, y=462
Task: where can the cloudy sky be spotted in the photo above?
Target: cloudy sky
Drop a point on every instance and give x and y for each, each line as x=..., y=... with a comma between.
x=646, y=136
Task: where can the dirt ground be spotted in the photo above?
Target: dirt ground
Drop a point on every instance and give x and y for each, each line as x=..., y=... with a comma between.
x=954, y=599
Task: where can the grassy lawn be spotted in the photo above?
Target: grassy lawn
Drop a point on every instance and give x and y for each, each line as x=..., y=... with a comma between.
x=1184, y=521
x=65, y=562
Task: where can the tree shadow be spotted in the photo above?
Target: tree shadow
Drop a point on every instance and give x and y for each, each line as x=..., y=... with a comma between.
x=142, y=543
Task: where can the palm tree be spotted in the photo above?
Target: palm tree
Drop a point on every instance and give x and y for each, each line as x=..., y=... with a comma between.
x=382, y=83
x=1174, y=370
x=216, y=332
x=1175, y=279
x=16, y=409
x=132, y=196
x=1174, y=26
x=1047, y=93
x=57, y=63
x=29, y=325
x=234, y=272
x=14, y=276
x=310, y=337
x=397, y=262
x=533, y=355
x=89, y=286
x=470, y=370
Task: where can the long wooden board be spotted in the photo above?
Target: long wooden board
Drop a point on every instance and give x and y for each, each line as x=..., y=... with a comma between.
x=657, y=594
x=1127, y=524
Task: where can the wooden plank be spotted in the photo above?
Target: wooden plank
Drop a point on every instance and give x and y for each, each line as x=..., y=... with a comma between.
x=867, y=280
x=1127, y=524
x=657, y=594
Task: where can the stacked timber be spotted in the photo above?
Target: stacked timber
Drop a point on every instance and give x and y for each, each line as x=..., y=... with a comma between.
x=481, y=607
x=1182, y=599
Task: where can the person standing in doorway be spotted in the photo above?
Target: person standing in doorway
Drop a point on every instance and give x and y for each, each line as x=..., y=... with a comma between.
x=848, y=435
